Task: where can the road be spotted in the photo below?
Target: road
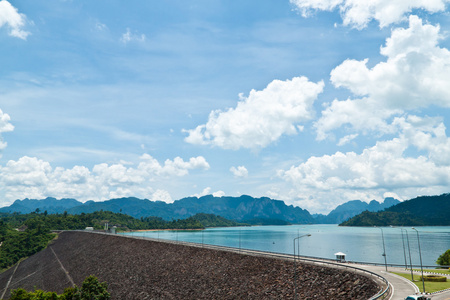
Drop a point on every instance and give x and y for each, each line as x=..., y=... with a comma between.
x=401, y=286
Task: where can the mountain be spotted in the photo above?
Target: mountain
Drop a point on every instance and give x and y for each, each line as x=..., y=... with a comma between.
x=420, y=211
x=131, y=206
x=51, y=205
x=233, y=208
x=242, y=208
x=352, y=208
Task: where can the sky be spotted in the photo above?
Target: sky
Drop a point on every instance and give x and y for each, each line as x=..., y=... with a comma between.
x=314, y=102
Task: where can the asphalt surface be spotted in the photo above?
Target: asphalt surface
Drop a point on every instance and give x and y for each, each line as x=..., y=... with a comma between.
x=401, y=291
x=401, y=287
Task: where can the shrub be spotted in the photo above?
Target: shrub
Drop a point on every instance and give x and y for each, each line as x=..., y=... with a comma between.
x=433, y=278
x=91, y=289
x=21, y=294
x=444, y=258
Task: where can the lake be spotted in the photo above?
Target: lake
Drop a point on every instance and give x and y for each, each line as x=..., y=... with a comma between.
x=360, y=244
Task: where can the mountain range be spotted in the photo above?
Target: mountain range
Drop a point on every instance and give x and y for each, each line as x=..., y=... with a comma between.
x=244, y=208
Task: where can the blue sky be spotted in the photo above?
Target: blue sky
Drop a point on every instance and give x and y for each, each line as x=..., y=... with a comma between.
x=312, y=102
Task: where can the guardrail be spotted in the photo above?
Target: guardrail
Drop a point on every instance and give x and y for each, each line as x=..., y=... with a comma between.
x=382, y=294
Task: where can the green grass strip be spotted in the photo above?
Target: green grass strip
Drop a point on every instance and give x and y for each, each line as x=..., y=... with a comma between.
x=430, y=287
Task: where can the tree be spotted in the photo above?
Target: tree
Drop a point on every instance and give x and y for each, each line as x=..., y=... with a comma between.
x=21, y=294
x=91, y=289
x=444, y=259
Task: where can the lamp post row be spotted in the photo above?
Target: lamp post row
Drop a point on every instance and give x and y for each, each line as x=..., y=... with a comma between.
x=404, y=252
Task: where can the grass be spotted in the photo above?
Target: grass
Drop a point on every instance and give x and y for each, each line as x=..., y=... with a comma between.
x=430, y=287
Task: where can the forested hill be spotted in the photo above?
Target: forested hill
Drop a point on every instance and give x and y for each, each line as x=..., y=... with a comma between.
x=352, y=208
x=420, y=211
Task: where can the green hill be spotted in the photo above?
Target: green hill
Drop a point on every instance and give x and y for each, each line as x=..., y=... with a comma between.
x=420, y=211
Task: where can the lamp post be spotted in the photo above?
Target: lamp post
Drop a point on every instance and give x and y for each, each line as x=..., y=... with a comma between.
x=295, y=266
x=420, y=255
x=404, y=249
x=409, y=250
x=239, y=240
x=384, y=248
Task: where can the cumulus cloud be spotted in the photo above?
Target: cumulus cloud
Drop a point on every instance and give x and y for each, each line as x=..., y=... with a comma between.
x=415, y=75
x=11, y=18
x=207, y=191
x=262, y=117
x=358, y=13
x=176, y=167
x=5, y=126
x=384, y=168
x=30, y=177
x=162, y=195
x=129, y=37
x=240, y=171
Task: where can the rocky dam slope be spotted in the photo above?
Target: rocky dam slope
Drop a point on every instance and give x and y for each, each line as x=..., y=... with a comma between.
x=143, y=269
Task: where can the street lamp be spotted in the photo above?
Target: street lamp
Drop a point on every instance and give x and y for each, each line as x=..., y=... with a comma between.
x=404, y=251
x=420, y=255
x=409, y=250
x=384, y=248
x=295, y=266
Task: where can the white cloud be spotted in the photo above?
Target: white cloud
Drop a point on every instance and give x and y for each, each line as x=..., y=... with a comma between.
x=30, y=177
x=383, y=168
x=5, y=126
x=162, y=195
x=358, y=13
x=416, y=75
x=176, y=167
x=262, y=117
x=207, y=191
x=347, y=139
x=240, y=171
x=14, y=20
x=100, y=26
x=129, y=37
x=218, y=194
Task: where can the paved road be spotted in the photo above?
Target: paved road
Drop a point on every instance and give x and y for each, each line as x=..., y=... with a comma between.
x=401, y=286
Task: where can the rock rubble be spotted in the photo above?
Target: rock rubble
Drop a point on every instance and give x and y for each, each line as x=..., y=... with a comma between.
x=141, y=269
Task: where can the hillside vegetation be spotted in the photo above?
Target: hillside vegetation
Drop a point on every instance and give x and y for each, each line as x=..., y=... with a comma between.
x=18, y=244
x=420, y=211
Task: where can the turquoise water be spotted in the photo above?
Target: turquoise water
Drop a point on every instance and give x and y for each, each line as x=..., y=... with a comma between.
x=361, y=244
